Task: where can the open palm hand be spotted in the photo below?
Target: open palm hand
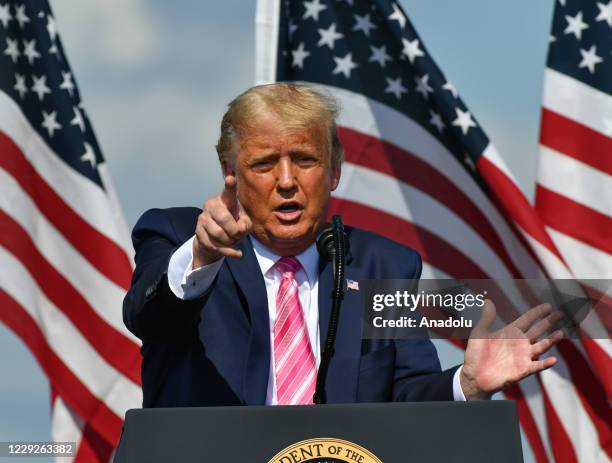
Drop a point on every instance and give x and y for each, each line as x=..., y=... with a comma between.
x=495, y=360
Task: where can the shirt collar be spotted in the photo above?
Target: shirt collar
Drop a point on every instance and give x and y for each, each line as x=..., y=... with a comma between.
x=309, y=259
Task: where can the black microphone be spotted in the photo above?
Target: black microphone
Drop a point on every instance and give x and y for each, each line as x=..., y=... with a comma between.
x=326, y=245
x=332, y=246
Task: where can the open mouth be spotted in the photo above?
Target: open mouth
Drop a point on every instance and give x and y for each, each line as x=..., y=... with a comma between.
x=288, y=211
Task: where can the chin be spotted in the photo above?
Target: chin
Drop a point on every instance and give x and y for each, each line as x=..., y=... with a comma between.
x=290, y=235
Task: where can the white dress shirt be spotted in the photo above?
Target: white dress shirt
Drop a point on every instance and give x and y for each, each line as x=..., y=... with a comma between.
x=187, y=283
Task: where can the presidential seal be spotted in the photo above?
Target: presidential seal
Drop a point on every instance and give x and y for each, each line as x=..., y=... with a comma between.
x=325, y=450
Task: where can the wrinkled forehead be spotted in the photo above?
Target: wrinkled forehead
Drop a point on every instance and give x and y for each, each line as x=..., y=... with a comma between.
x=267, y=127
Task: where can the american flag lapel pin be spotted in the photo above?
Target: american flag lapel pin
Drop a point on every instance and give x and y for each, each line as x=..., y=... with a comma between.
x=352, y=284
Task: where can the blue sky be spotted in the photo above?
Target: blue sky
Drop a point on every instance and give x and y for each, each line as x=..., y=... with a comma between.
x=155, y=77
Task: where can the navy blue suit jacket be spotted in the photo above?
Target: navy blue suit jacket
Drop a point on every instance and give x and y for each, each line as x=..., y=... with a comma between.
x=215, y=350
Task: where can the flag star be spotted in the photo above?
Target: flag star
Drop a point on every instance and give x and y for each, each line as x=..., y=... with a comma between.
x=379, y=55
x=329, y=36
x=451, y=88
x=20, y=16
x=11, y=49
x=41, y=14
x=344, y=65
x=78, y=119
x=299, y=55
x=53, y=49
x=50, y=122
x=562, y=2
x=398, y=16
x=464, y=121
x=51, y=27
x=436, y=120
x=412, y=50
x=552, y=38
x=5, y=15
x=67, y=83
x=89, y=155
x=20, y=85
x=575, y=25
x=590, y=59
x=605, y=13
x=313, y=9
x=363, y=23
x=395, y=86
x=423, y=86
x=40, y=86
x=30, y=50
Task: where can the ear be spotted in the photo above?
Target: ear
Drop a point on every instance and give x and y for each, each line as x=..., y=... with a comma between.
x=228, y=168
x=336, y=170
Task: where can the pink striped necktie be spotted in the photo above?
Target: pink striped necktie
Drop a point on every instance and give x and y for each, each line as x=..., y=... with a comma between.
x=294, y=361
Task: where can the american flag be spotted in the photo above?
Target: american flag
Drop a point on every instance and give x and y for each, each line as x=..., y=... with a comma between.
x=420, y=170
x=65, y=258
x=574, y=186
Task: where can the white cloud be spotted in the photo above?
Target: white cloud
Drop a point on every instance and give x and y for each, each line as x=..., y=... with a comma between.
x=111, y=32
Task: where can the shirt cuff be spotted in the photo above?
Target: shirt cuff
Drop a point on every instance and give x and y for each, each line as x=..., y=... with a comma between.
x=187, y=283
x=457, y=391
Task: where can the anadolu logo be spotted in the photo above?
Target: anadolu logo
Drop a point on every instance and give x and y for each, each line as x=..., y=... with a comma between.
x=325, y=450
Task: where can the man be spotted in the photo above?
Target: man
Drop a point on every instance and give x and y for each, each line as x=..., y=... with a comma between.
x=231, y=302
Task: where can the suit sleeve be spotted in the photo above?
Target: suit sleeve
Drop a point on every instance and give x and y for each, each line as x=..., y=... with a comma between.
x=418, y=375
x=150, y=309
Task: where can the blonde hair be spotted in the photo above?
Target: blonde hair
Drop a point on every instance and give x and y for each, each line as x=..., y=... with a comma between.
x=299, y=107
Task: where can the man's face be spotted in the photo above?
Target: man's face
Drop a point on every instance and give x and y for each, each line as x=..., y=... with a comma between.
x=284, y=181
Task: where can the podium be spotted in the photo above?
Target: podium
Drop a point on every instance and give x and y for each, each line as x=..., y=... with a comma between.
x=478, y=432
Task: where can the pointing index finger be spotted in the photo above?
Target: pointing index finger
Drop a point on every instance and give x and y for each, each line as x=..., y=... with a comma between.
x=229, y=195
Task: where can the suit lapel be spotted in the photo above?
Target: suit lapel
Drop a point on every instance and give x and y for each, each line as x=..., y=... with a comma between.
x=247, y=274
x=342, y=376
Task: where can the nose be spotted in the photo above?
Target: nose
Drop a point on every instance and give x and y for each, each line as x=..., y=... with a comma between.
x=285, y=176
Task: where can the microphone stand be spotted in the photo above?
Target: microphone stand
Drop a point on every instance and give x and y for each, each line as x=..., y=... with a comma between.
x=332, y=248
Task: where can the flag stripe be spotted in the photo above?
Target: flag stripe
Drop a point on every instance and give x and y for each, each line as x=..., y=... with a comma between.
x=577, y=101
x=93, y=447
x=514, y=202
x=116, y=349
x=106, y=383
x=590, y=392
x=601, y=359
x=99, y=292
x=580, y=431
x=573, y=219
x=568, y=177
x=61, y=376
x=396, y=162
x=106, y=255
x=576, y=140
x=528, y=424
x=561, y=445
x=583, y=258
x=82, y=195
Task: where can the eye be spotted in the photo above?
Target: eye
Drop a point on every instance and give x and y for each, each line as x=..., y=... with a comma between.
x=306, y=160
x=263, y=164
